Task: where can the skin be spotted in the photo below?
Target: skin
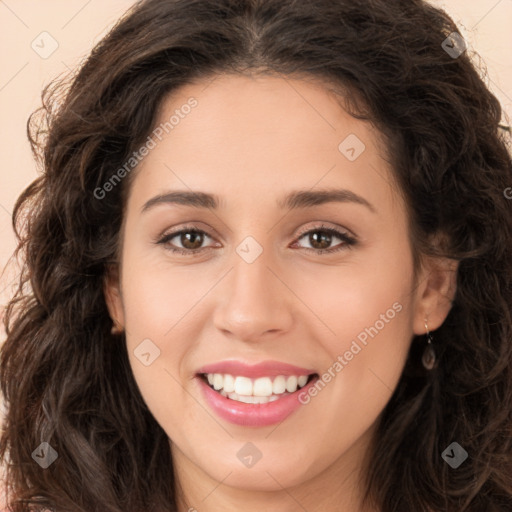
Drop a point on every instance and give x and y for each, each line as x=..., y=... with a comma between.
x=251, y=140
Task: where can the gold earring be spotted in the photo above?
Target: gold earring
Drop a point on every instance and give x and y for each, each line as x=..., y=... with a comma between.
x=429, y=355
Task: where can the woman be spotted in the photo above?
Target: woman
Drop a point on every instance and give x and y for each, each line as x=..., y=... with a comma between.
x=269, y=260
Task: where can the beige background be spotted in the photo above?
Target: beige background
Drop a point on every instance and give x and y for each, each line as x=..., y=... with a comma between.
x=76, y=25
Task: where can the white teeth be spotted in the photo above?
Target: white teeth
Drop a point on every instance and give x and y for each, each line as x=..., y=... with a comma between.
x=301, y=381
x=279, y=385
x=251, y=399
x=218, y=381
x=260, y=390
x=262, y=386
x=291, y=384
x=243, y=386
x=229, y=383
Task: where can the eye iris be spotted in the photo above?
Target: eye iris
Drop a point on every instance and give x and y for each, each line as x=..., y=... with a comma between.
x=324, y=236
x=191, y=236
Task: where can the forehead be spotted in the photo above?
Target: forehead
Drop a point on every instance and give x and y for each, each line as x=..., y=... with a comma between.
x=262, y=107
x=261, y=134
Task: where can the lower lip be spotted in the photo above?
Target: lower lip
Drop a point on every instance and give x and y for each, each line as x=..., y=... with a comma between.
x=253, y=415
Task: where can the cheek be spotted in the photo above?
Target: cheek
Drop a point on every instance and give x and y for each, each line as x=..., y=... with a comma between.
x=158, y=297
x=159, y=305
x=354, y=300
x=366, y=313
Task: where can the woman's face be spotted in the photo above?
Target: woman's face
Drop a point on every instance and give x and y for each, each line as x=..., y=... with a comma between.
x=278, y=163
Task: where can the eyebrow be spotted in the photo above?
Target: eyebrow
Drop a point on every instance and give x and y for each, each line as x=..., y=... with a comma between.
x=296, y=199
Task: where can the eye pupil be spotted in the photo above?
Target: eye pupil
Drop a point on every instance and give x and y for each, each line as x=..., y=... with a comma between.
x=324, y=236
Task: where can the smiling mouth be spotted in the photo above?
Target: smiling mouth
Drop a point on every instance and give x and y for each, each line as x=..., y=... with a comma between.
x=256, y=391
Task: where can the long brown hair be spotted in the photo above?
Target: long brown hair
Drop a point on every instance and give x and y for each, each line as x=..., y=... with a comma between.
x=66, y=379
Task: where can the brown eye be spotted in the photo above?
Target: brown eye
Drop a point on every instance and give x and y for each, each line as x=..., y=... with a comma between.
x=320, y=242
x=186, y=241
x=321, y=239
x=191, y=239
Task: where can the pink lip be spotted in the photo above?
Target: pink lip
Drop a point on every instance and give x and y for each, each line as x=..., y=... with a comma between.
x=252, y=415
x=263, y=369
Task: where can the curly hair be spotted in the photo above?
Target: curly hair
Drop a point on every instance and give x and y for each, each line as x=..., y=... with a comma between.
x=66, y=379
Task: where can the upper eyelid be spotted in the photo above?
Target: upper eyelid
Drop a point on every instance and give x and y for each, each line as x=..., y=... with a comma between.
x=299, y=235
x=324, y=225
x=342, y=230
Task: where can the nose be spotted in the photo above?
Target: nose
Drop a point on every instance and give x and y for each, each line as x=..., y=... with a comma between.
x=254, y=302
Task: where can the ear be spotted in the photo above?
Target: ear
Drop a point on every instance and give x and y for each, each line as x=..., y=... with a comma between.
x=113, y=296
x=435, y=293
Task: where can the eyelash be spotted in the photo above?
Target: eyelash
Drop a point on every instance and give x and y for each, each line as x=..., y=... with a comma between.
x=348, y=240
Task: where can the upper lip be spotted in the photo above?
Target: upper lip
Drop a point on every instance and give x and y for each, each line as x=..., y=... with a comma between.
x=262, y=369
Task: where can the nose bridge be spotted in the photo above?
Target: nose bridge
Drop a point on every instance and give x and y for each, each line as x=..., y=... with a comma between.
x=252, y=278
x=252, y=301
